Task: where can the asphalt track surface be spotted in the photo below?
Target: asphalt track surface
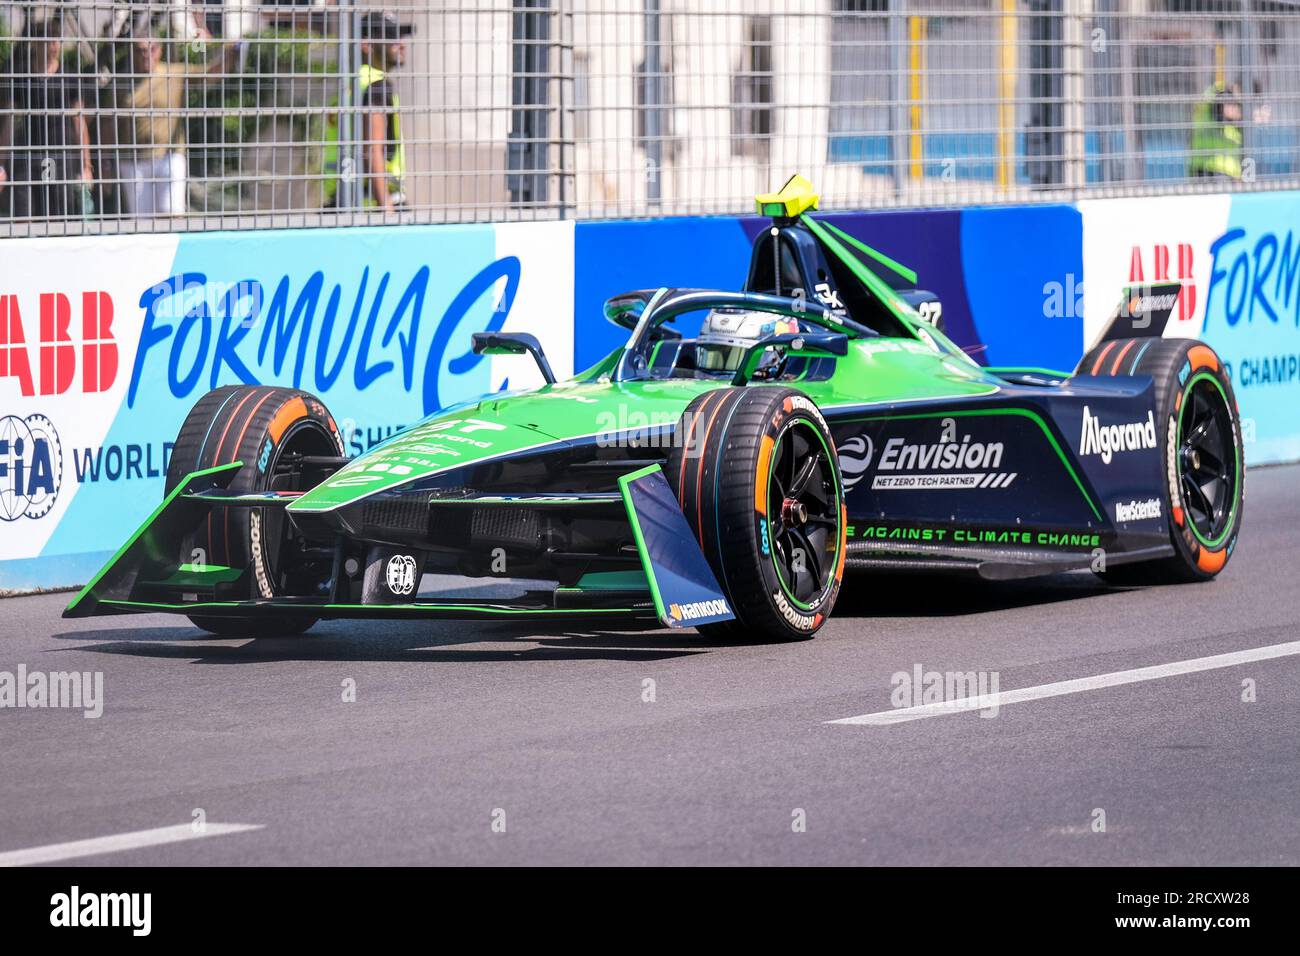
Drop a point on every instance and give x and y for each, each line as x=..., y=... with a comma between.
x=456, y=726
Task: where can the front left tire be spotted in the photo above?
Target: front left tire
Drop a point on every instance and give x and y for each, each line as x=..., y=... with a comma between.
x=263, y=427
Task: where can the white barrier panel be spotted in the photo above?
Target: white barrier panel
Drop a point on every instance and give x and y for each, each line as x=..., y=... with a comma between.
x=1238, y=258
x=105, y=344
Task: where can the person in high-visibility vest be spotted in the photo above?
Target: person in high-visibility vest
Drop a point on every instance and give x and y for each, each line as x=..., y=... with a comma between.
x=383, y=155
x=1217, y=134
x=383, y=49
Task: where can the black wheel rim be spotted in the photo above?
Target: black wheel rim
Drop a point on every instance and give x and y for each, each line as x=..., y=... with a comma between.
x=297, y=567
x=803, y=513
x=1207, y=460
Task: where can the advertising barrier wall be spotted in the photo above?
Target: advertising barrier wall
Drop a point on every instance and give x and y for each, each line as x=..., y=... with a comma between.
x=105, y=343
x=1238, y=258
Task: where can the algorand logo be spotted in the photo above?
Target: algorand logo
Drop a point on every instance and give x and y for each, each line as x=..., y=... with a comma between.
x=697, y=609
x=1105, y=440
x=1137, y=510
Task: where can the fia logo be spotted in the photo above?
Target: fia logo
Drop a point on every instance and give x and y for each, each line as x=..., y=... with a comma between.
x=401, y=574
x=31, y=467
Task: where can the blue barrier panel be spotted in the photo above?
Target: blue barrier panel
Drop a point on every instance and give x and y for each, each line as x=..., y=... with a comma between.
x=613, y=257
x=1018, y=263
x=928, y=242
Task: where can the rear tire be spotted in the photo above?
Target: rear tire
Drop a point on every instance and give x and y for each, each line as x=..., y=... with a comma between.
x=256, y=425
x=757, y=476
x=1200, y=441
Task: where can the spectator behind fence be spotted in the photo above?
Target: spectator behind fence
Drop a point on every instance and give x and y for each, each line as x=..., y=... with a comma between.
x=383, y=154
x=47, y=169
x=1216, y=133
x=151, y=130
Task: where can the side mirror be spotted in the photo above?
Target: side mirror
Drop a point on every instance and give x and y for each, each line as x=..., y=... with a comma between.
x=513, y=343
x=811, y=344
x=625, y=311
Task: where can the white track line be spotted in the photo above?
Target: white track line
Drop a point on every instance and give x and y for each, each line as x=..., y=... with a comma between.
x=1078, y=686
x=120, y=841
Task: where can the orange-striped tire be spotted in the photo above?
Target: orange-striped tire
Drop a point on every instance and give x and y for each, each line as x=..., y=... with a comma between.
x=776, y=547
x=259, y=425
x=1204, y=496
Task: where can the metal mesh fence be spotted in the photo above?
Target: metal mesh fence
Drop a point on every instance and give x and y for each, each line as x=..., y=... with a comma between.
x=173, y=115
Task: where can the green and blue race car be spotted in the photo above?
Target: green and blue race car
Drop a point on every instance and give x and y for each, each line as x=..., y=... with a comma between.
x=724, y=469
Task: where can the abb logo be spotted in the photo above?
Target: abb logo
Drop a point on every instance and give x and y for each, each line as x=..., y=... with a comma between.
x=57, y=351
x=1160, y=273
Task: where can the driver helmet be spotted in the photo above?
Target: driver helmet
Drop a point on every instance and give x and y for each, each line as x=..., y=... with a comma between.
x=727, y=334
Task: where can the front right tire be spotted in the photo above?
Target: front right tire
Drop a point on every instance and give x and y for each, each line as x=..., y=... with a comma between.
x=756, y=474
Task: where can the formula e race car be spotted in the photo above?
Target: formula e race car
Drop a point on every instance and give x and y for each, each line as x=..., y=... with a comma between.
x=725, y=479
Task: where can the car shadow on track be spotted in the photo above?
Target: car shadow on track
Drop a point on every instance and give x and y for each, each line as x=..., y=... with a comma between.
x=459, y=642
x=919, y=596
x=405, y=643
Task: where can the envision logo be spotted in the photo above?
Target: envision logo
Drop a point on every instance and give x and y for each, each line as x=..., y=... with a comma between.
x=855, y=458
x=948, y=463
x=1137, y=510
x=901, y=455
x=1105, y=440
x=103, y=909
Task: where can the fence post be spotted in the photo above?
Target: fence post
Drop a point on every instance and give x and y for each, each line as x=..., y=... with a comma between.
x=528, y=143
x=1132, y=168
x=1008, y=67
x=1250, y=58
x=898, y=48
x=654, y=142
x=1075, y=147
x=566, y=139
x=1105, y=85
x=344, y=157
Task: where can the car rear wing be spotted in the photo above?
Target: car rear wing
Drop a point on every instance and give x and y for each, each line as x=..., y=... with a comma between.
x=1143, y=312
